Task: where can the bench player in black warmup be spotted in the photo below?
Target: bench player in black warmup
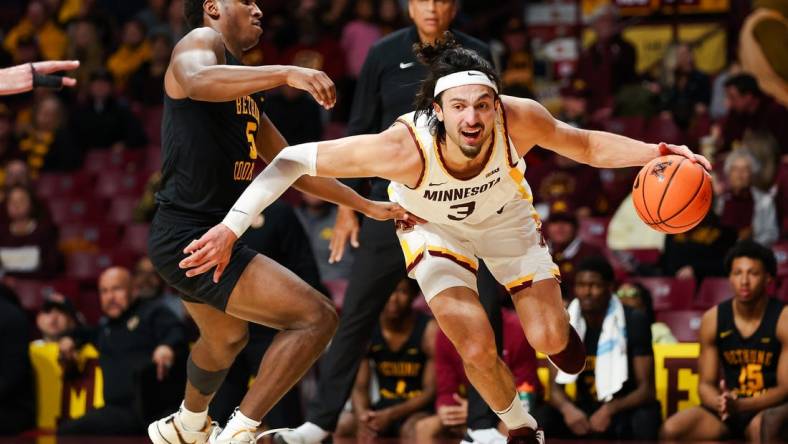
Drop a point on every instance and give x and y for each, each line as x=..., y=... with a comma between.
x=212, y=128
x=748, y=336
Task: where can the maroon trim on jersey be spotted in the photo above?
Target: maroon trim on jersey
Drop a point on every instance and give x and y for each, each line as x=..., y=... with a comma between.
x=512, y=162
x=454, y=259
x=421, y=153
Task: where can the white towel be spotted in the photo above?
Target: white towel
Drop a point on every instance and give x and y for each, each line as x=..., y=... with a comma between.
x=611, y=369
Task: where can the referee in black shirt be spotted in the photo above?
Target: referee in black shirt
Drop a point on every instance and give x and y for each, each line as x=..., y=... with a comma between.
x=386, y=89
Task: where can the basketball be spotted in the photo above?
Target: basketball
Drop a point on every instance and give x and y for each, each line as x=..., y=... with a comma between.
x=672, y=194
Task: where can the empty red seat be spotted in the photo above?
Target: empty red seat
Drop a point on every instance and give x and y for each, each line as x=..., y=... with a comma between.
x=88, y=236
x=135, y=238
x=121, y=210
x=713, y=290
x=86, y=266
x=684, y=324
x=782, y=292
x=31, y=292
x=50, y=185
x=781, y=253
x=124, y=184
x=664, y=129
x=74, y=209
x=630, y=126
x=594, y=230
x=669, y=293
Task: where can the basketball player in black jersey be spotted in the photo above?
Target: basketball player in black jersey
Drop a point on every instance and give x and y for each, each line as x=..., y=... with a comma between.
x=401, y=355
x=213, y=131
x=748, y=337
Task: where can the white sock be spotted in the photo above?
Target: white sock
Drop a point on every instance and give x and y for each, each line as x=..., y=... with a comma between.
x=515, y=415
x=192, y=421
x=238, y=421
x=311, y=432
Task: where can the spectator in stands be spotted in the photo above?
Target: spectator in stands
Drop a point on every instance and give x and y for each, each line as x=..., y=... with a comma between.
x=698, y=253
x=390, y=15
x=615, y=396
x=148, y=286
x=134, y=338
x=518, y=72
x=559, y=178
x=358, y=35
x=56, y=318
x=17, y=399
x=318, y=218
x=746, y=336
x=288, y=102
x=133, y=51
x=154, y=16
x=102, y=121
x=609, y=63
x=718, y=107
x=17, y=172
x=637, y=297
x=749, y=108
x=566, y=246
x=9, y=146
x=49, y=144
x=37, y=23
x=689, y=90
x=85, y=45
x=742, y=206
x=766, y=151
x=28, y=241
x=574, y=104
x=451, y=405
x=147, y=83
x=402, y=359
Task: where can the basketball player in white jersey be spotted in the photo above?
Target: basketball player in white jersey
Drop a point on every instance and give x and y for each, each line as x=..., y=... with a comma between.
x=457, y=163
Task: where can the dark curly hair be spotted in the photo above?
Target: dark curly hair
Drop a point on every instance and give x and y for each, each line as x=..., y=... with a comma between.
x=752, y=250
x=192, y=12
x=442, y=58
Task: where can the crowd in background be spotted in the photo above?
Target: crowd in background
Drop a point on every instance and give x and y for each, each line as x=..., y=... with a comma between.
x=79, y=168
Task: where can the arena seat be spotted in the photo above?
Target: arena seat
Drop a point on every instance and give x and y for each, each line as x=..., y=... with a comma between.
x=669, y=293
x=135, y=238
x=121, y=210
x=684, y=324
x=74, y=184
x=593, y=230
x=81, y=236
x=664, y=129
x=713, y=290
x=75, y=209
x=782, y=292
x=86, y=266
x=781, y=253
x=630, y=126
x=123, y=184
x=31, y=292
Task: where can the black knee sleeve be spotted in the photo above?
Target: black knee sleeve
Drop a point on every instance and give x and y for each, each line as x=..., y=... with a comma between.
x=205, y=381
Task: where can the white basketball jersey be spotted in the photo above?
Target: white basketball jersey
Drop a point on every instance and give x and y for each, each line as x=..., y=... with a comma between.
x=442, y=198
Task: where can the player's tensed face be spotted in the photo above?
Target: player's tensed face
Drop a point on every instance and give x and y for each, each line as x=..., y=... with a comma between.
x=468, y=114
x=242, y=21
x=748, y=278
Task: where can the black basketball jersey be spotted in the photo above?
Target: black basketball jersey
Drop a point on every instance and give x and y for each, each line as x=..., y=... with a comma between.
x=208, y=154
x=399, y=372
x=749, y=364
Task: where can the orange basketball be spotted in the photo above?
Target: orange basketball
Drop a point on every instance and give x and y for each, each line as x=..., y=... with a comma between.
x=672, y=194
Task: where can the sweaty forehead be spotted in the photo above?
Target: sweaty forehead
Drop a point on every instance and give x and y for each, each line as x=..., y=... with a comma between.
x=468, y=93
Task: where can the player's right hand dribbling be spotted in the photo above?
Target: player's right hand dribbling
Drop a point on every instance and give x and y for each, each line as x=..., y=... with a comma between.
x=211, y=250
x=316, y=83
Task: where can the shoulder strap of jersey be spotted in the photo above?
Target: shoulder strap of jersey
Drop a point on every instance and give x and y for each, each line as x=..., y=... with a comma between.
x=725, y=316
x=773, y=310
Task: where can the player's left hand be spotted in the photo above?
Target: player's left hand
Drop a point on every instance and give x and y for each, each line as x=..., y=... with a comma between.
x=600, y=420
x=380, y=420
x=163, y=357
x=213, y=249
x=683, y=150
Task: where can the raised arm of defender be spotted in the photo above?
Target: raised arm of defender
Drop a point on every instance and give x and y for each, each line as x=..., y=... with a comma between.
x=198, y=71
x=530, y=124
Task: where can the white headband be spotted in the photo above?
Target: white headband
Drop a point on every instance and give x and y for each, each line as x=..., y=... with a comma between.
x=463, y=78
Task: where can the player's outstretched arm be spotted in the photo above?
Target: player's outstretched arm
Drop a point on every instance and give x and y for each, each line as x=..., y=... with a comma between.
x=23, y=78
x=349, y=157
x=531, y=122
x=198, y=71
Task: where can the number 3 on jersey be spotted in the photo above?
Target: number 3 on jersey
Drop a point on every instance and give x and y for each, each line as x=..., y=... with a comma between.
x=251, y=127
x=463, y=210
